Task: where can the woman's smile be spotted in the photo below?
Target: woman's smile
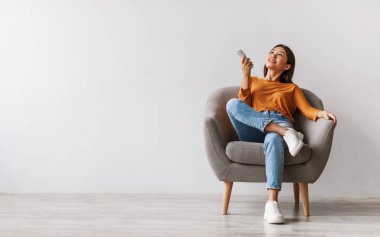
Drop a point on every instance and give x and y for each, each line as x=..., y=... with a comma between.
x=271, y=60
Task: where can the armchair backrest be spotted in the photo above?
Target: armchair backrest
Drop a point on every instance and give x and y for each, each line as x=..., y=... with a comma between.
x=303, y=124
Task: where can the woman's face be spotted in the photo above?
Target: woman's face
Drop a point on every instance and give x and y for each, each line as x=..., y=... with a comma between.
x=277, y=60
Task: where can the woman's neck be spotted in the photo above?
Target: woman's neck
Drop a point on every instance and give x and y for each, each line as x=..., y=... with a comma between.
x=273, y=76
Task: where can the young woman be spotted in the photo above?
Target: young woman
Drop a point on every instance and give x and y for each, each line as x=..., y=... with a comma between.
x=264, y=111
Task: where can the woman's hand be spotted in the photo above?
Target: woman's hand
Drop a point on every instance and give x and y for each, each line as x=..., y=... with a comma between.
x=246, y=65
x=327, y=115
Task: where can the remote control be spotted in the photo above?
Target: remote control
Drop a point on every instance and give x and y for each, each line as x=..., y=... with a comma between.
x=241, y=54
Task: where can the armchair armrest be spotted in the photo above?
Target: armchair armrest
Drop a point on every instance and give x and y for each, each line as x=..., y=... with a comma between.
x=218, y=130
x=319, y=136
x=215, y=148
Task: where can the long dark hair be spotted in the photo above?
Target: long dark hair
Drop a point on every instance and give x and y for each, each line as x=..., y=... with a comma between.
x=286, y=76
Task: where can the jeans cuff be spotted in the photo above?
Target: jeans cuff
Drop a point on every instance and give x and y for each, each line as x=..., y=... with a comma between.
x=277, y=188
x=265, y=124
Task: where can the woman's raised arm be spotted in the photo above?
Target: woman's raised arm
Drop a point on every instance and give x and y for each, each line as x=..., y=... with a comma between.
x=246, y=65
x=245, y=90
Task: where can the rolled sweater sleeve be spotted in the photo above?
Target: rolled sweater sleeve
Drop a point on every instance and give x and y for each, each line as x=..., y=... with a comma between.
x=303, y=105
x=246, y=94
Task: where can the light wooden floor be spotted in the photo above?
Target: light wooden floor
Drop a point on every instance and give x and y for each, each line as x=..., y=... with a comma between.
x=130, y=215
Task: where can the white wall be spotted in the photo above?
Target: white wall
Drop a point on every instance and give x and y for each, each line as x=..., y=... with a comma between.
x=108, y=96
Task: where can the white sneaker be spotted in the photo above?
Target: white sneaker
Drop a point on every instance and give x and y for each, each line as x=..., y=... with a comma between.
x=272, y=213
x=294, y=141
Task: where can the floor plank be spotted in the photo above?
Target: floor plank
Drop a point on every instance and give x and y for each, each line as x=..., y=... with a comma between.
x=179, y=215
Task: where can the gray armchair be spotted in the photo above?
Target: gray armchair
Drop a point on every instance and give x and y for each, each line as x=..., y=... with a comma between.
x=237, y=161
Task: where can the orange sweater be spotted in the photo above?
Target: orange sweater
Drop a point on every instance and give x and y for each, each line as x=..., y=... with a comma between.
x=284, y=98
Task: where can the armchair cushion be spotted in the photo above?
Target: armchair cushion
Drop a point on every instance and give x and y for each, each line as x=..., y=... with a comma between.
x=253, y=154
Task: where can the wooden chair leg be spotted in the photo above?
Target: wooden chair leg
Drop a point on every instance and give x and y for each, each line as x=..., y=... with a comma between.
x=305, y=198
x=227, y=194
x=296, y=190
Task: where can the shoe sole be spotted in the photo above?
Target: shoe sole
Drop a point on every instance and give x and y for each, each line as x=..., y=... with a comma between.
x=274, y=220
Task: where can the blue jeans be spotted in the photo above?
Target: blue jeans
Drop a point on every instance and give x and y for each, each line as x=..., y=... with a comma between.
x=249, y=125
